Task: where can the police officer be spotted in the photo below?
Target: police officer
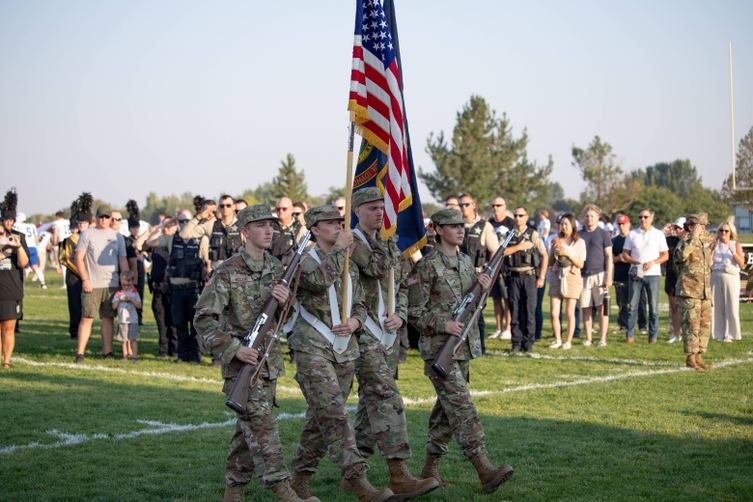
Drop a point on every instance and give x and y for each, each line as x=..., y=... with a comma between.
x=325, y=356
x=479, y=244
x=224, y=234
x=442, y=279
x=186, y=271
x=525, y=271
x=238, y=290
x=380, y=417
x=693, y=290
x=288, y=232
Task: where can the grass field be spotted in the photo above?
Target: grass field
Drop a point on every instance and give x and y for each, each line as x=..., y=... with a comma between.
x=615, y=423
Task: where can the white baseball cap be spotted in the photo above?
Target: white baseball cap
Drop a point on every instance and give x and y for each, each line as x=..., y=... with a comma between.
x=20, y=218
x=680, y=222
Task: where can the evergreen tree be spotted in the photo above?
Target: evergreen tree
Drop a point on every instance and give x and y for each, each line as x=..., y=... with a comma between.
x=485, y=160
x=679, y=176
x=607, y=185
x=743, y=173
x=289, y=182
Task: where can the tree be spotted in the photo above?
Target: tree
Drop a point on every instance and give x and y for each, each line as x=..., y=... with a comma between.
x=743, y=173
x=289, y=182
x=679, y=176
x=170, y=204
x=485, y=160
x=607, y=185
x=554, y=194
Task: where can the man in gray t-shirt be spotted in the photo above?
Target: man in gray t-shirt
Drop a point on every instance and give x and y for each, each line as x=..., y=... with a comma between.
x=100, y=253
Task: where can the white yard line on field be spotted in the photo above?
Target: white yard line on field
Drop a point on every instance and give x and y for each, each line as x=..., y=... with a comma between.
x=155, y=428
x=536, y=355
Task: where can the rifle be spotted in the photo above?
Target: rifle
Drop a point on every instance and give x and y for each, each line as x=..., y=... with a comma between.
x=238, y=395
x=443, y=359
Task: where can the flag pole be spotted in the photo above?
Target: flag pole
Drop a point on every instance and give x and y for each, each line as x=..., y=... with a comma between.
x=348, y=195
x=732, y=118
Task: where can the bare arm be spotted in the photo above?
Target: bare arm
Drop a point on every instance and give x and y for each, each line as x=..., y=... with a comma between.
x=610, y=267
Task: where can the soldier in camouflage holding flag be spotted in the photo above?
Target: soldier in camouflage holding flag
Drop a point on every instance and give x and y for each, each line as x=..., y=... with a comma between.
x=693, y=291
x=326, y=351
x=380, y=417
x=442, y=279
x=239, y=291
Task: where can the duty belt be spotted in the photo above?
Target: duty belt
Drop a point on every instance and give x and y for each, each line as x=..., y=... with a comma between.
x=520, y=273
x=188, y=285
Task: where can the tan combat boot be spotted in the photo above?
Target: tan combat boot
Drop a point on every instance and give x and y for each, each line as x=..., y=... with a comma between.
x=700, y=362
x=367, y=493
x=490, y=475
x=690, y=362
x=403, y=485
x=284, y=493
x=431, y=469
x=233, y=493
x=300, y=484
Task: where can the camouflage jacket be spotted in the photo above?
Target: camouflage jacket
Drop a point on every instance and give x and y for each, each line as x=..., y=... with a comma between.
x=313, y=295
x=374, y=266
x=238, y=290
x=436, y=289
x=693, y=261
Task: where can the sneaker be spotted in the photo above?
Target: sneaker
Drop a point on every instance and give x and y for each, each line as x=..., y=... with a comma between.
x=586, y=343
x=515, y=350
x=674, y=339
x=134, y=359
x=496, y=334
x=621, y=329
x=43, y=286
x=556, y=345
x=728, y=340
x=506, y=335
x=109, y=355
x=602, y=344
x=79, y=358
x=566, y=346
x=643, y=331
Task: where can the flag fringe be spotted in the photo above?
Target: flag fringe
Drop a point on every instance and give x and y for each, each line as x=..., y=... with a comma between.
x=415, y=247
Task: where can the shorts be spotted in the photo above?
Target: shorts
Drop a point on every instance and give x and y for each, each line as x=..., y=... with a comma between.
x=670, y=282
x=11, y=310
x=499, y=290
x=99, y=300
x=33, y=256
x=128, y=331
x=592, y=294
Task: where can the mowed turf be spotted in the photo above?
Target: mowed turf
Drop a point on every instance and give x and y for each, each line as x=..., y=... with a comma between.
x=614, y=423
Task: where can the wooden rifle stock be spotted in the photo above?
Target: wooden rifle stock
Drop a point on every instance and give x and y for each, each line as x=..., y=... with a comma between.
x=238, y=395
x=443, y=359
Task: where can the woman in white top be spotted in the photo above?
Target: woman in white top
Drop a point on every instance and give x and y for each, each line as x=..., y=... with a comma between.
x=566, y=259
x=725, y=283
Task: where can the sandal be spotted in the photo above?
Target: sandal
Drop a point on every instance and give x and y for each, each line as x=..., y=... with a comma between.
x=6, y=366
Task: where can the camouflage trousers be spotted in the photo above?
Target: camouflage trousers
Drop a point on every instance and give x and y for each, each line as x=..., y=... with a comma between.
x=695, y=323
x=326, y=386
x=453, y=413
x=255, y=446
x=380, y=416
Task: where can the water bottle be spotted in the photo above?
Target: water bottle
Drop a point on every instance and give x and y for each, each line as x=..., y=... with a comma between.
x=607, y=302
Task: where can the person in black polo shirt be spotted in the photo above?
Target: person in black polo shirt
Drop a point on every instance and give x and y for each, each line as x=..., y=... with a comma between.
x=501, y=223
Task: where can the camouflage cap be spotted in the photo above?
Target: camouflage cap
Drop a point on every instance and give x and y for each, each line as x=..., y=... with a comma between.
x=697, y=219
x=364, y=195
x=448, y=217
x=257, y=212
x=321, y=213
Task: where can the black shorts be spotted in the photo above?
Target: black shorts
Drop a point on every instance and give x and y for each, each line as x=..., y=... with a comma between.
x=499, y=290
x=11, y=309
x=669, y=285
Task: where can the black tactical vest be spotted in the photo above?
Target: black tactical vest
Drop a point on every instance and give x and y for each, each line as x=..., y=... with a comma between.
x=283, y=241
x=523, y=259
x=184, y=260
x=224, y=242
x=472, y=244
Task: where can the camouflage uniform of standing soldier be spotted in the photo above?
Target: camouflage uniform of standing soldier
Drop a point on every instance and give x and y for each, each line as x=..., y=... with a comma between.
x=325, y=356
x=239, y=290
x=380, y=417
x=693, y=291
x=442, y=279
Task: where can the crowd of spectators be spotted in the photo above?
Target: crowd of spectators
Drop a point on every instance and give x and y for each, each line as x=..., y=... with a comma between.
x=580, y=257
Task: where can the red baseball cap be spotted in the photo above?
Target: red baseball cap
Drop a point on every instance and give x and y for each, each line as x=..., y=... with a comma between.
x=623, y=218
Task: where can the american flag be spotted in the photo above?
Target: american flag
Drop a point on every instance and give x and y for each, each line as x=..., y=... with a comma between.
x=376, y=98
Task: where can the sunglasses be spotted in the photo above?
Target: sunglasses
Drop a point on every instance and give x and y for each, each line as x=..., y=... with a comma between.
x=644, y=217
x=721, y=231
x=118, y=219
x=285, y=208
x=464, y=204
x=104, y=217
x=297, y=213
x=227, y=205
x=340, y=208
x=520, y=215
x=181, y=220
x=498, y=205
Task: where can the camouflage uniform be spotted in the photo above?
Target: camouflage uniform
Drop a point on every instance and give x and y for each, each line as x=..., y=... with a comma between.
x=326, y=377
x=693, y=291
x=239, y=290
x=435, y=291
x=380, y=417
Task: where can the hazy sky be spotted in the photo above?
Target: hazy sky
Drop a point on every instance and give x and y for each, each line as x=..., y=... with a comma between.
x=123, y=98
